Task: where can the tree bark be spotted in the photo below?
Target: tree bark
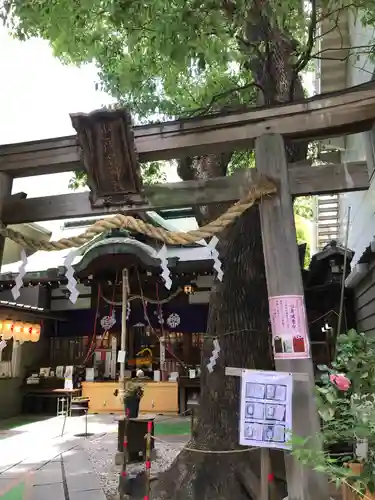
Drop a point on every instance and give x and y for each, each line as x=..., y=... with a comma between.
x=238, y=312
x=238, y=317
x=205, y=167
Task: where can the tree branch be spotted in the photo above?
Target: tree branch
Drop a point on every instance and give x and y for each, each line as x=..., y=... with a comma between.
x=369, y=50
x=5, y=9
x=305, y=56
x=336, y=11
x=204, y=110
x=322, y=35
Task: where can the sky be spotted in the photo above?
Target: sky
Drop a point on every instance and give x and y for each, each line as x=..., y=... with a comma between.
x=37, y=94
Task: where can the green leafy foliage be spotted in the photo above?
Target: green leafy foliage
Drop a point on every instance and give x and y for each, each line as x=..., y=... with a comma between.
x=303, y=235
x=347, y=416
x=79, y=180
x=152, y=172
x=305, y=452
x=303, y=206
x=134, y=389
x=169, y=58
x=241, y=160
x=303, y=213
x=158, y=56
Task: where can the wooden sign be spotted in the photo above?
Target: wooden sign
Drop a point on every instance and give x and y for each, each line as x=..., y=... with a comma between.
x=108, y=153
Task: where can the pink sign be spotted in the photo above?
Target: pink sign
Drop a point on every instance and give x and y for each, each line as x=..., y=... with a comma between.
x=290, y=336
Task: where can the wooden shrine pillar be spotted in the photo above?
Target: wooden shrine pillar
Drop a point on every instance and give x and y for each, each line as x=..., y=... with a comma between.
x=6, y=183
x=286, y=299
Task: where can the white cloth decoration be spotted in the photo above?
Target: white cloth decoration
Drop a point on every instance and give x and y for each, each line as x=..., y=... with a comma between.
x=166, y=274
x=107, y=322
x=19, y=279
x=128, y=310
x=214, y=357
x=173, y=320
x=3, y=345
x=69, y=274
x=215, y=256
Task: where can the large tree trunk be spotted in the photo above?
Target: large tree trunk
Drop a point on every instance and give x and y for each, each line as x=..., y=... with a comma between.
x=238, y=317
x=238, y=313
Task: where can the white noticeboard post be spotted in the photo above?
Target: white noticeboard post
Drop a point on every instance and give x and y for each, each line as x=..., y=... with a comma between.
x=266, y=409
x=121, y=357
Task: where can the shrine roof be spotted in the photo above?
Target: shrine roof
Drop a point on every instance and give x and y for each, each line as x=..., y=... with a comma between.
x=44, y=265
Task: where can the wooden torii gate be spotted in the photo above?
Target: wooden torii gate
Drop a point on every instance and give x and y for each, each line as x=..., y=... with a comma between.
x=111, y=149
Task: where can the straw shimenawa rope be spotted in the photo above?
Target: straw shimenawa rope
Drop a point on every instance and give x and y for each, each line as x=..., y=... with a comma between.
x=262, y=188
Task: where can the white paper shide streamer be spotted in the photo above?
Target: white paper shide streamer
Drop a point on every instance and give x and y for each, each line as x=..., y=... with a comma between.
x=215, y=256
x=69, y=274
x=166, y=274
x=326, y=328
x=21, y=274
x=214, y=357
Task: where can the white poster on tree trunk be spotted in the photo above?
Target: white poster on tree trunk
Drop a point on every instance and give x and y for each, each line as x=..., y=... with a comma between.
x=266, y=409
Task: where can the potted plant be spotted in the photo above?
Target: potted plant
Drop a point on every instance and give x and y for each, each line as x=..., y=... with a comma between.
x=132, y=397
x=346, y=402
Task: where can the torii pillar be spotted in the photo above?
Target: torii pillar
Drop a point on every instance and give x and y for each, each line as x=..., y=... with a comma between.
x=291, y=344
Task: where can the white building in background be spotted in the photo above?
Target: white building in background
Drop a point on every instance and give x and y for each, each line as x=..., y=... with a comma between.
x=345, y=66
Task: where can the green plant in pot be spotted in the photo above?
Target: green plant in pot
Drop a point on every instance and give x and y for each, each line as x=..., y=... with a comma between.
x=345, y=401
x=132, y=397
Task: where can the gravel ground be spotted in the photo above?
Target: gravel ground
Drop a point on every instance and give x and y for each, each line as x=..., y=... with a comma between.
x=102, y=453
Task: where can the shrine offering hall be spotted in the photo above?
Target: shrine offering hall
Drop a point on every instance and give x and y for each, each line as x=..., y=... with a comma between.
x=75, y=348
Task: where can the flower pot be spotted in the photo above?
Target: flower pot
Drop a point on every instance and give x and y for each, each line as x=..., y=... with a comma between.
x=342, y=448
x=348, y=493
x=132, y=405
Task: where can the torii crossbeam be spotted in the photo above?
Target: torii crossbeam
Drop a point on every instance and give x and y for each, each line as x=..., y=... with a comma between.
x=321, y=116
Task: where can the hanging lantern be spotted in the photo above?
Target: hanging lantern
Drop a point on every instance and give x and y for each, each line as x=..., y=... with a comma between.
x=188, y=289
x=35, y=333
x=1, y=326
x=18, y=331
x=26, y=332
x=7, y=332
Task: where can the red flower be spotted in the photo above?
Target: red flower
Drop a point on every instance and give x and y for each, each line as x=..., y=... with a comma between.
x=340, y=381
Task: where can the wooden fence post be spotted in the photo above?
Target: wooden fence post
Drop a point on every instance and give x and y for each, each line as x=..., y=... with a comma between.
x=287, y=310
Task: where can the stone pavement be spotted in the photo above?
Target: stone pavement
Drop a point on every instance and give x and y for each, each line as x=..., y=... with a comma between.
x=50, y=466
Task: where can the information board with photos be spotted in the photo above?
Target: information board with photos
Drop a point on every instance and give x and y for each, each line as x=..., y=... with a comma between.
x=266, y=409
